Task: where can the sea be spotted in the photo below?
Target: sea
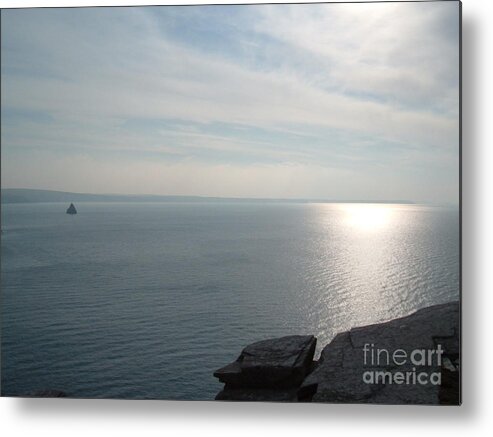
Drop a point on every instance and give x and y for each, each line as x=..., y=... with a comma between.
x=147, y=300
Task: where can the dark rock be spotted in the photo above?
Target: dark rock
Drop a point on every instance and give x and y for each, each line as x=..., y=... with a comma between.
x=339, y=374
x=283, y=369
x=449, y=393
x=71, y=209
x=275, y=363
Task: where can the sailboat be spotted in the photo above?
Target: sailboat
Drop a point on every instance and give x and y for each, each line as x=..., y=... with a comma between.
x=71, y=209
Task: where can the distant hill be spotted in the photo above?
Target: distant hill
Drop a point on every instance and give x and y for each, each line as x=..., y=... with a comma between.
x=23, y=195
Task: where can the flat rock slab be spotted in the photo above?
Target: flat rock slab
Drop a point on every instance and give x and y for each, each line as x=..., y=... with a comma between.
x=271, y=364
x=339, y=376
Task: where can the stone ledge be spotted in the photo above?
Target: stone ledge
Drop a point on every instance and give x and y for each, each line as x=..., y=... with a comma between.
x=275, y=363
x=283, y=370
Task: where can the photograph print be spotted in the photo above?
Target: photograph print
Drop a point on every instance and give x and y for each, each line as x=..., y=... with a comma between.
x=253, y=202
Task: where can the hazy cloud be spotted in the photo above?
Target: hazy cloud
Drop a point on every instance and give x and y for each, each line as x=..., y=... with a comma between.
x=270, y=100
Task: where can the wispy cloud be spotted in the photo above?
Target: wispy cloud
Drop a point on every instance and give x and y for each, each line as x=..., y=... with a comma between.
x=348, y=89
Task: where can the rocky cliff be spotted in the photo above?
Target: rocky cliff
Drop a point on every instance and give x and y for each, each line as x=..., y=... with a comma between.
x=410, y=360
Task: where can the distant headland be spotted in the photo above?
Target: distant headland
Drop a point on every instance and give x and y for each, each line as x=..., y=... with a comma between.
x=26, y=195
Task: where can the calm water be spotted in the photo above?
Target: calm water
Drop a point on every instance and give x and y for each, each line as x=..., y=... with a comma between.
x=147, y=300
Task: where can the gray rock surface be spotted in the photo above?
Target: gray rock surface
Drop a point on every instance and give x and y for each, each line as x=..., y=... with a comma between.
x=283, y=370
x=339, y=374
x=275, y=363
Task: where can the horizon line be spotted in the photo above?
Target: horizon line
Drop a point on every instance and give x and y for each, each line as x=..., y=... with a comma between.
x=205, y=197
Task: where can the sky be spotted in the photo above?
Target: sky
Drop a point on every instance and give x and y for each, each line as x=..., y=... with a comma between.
x=331, y=101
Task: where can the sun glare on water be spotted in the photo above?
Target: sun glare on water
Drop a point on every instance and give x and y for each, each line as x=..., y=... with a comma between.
x=368, y=217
